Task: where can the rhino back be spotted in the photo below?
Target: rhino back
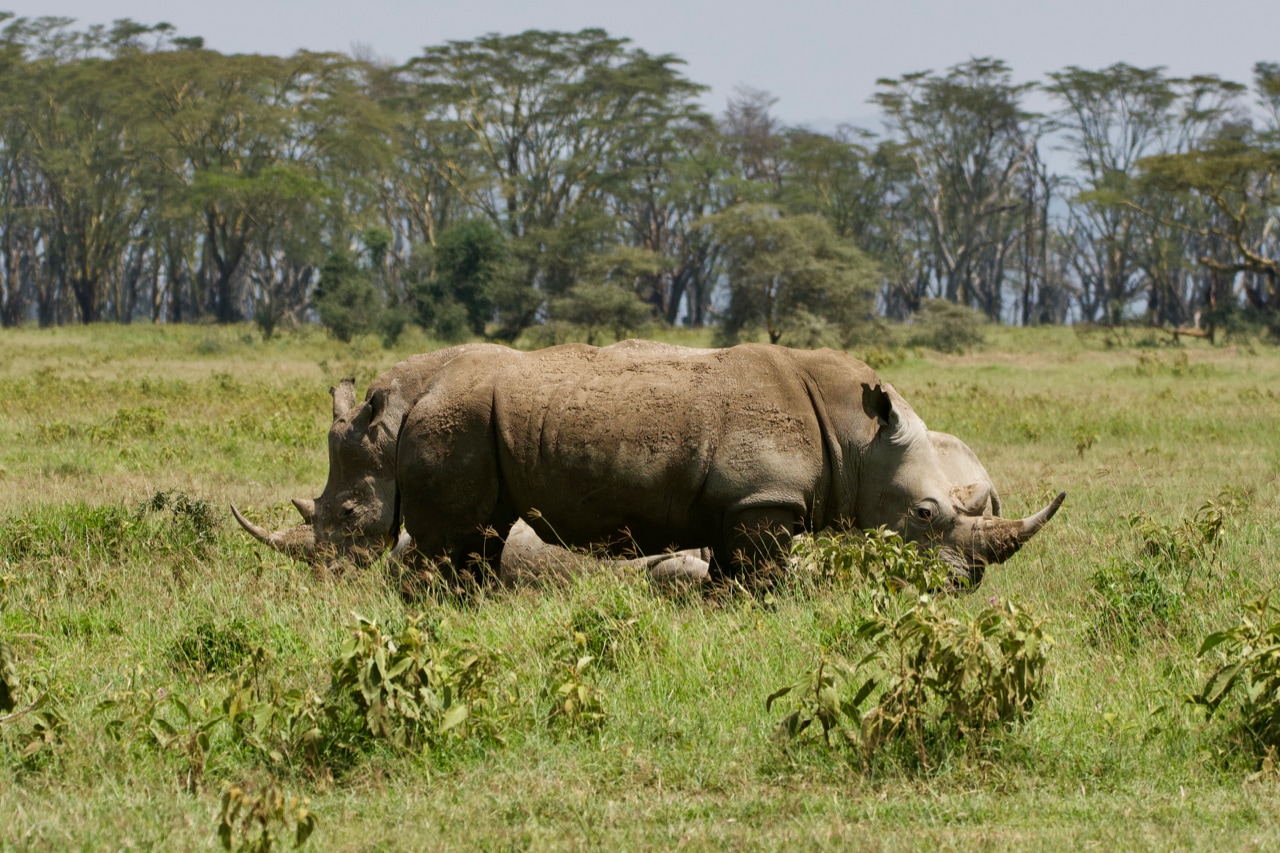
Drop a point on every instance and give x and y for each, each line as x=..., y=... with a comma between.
x=658, y=441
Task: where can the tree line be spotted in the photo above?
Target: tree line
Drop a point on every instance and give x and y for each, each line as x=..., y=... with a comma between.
x=552, y=181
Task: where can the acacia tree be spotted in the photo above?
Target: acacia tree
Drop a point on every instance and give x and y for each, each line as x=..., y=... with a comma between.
x=1237, y=172
x=18, y=188
x=83, y=144
x=248, y=137
x=970, y=143
x=791, y=276
x=532, y=130
x=1111, y=119
x=666, y=184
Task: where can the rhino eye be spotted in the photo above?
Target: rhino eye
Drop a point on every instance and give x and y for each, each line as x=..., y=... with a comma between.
x=923, y=513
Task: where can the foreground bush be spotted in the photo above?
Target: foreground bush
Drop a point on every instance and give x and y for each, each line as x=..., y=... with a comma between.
x=414, y=691
x=878, y=562
x=930, y=679
x=1250, y=661
x=1147, y=593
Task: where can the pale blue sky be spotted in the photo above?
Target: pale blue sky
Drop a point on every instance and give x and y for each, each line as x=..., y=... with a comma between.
x=820, y=59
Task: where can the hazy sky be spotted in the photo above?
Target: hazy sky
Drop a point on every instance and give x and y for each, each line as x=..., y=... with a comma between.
x=820, y=58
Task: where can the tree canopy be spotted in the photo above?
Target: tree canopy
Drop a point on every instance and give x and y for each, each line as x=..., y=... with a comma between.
x=491, y=185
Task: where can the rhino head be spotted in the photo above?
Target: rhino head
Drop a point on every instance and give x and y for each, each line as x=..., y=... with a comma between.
x=910, y=482
x=356, y=515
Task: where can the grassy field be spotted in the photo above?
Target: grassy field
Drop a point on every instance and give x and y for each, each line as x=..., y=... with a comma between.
x=124, y=581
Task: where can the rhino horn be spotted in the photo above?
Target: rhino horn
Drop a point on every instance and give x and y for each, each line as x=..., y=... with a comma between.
x=344, y=397
x=298, y=542
x=306, y=508
x=974, y=497
x=403, y=543
x=997, y=539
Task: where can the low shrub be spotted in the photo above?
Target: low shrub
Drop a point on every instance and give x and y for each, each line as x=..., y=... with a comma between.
x=283, y=726
x=1249, y=656
x=575, y=705
x=946, y=327
x=604, y=629
x=1136, y=596
x=414, y=691
x=930, y=679
x=877, y=561
x=258, y=821
x=142, y=714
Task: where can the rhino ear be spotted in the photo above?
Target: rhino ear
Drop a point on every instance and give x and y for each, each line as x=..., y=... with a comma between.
x=877, y=404
x=344, y=397
x=377, y=404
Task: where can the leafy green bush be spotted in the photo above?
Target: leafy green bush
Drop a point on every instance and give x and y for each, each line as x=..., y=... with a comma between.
x=878, y=561
x=1250, y=658
x=414, y=691
x=1148, y=593
x=574, y=703
x=347, y=298
x=930, y=678
x=287, y=726
x=257, y=822
x=143, y=714
x=472, y=277
x=604, y=628
x=946, y=327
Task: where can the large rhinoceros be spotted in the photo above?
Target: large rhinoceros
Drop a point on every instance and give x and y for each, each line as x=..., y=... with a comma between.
x=355, y=516
x=641, y=447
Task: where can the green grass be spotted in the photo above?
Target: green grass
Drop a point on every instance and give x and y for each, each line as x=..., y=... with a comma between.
x=104, y=588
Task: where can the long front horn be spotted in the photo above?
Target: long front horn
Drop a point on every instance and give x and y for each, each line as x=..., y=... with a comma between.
x=299, y=542
x=997, y=539
x=344, y=397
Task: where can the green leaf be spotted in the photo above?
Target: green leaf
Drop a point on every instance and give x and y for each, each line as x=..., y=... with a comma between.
x=777, y=694
x=454, y=716
x=1214, y=640
x=306, y=826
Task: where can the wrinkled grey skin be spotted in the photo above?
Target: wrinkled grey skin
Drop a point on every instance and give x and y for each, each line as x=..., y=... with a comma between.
x=642, y=447
x=354, y=517
x=972, y=490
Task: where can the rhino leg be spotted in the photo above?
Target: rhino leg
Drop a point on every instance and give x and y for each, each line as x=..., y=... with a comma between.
x=450, y=489
x=756, y=538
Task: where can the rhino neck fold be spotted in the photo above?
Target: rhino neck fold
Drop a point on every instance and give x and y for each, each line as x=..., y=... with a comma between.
x=831, y=499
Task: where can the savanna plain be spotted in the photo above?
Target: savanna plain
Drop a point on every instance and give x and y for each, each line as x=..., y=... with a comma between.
x=173, y=685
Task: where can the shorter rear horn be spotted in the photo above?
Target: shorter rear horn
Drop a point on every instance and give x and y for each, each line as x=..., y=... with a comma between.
x=306, y=509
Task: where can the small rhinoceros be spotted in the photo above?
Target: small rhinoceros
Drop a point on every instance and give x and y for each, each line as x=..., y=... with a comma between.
x=643, y=447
